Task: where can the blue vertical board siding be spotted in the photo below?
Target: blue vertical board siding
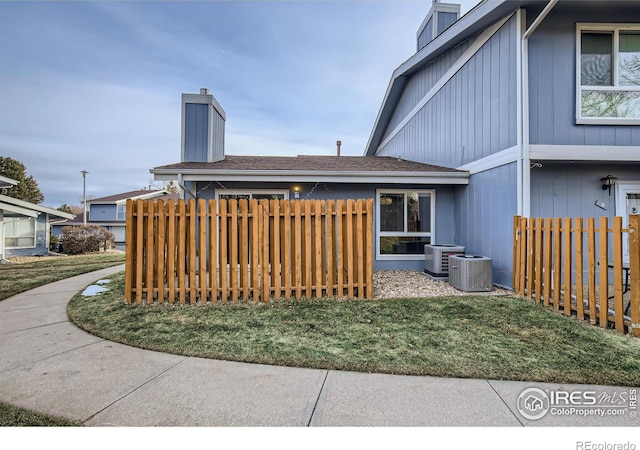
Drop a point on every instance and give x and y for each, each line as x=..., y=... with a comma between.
x=471, y=117
x=427, y=34
x=571, y=190
x=552, y=81
x=484, y=213
x=217, y=150
x=445, y=20
x=422, y=81
x=196, y=133
x=444, y=232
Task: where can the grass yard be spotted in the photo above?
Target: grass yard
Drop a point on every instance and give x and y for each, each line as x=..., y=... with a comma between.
x=20, y=277
x=494, y=337
x=12, y=416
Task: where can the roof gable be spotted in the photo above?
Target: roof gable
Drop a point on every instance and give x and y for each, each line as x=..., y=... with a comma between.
x=15, y=203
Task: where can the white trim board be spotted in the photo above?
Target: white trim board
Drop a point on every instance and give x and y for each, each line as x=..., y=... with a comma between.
x=585, y=152
x=501, y=158
x=448, y=75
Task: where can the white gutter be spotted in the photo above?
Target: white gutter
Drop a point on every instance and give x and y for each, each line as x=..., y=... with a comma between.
x=524, y=199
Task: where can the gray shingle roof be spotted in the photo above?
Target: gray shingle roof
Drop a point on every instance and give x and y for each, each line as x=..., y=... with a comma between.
x=305, y=163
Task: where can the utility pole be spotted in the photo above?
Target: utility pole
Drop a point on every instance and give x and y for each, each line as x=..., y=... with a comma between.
x=84, y=194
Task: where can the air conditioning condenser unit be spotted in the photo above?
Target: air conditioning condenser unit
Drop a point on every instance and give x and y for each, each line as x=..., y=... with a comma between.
x=470, y=273
x=436, y=258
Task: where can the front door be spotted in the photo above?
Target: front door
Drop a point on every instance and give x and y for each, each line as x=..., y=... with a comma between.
x=627, y=202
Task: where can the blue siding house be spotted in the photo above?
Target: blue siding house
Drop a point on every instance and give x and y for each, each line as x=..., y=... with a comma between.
x=110, y=212
x=539, y=101
x=415, y=205
x=24, y=226
x=516, y=108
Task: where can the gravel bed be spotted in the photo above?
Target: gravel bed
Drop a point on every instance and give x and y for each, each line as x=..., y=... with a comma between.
x=412, y=283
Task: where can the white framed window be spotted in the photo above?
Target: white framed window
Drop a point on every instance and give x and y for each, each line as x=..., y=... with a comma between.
x=19, y=232
x=251, y=194
x=121, y=211
x=608, y=74
x=405, y=221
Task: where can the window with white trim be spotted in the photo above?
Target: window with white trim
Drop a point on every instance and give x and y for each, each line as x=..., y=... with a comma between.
x=608, y=74
x=19, y=232
x=121, y=211
x=405, y=222
x=251, y=194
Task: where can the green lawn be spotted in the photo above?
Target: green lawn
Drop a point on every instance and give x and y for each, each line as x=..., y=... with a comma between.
x=466, y=336
x=12, y=416
x=20, y=277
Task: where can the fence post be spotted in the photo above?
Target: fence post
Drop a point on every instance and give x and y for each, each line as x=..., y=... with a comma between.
x=604, y=271
x=130, y=267
x=634, y=272
x=516, y=261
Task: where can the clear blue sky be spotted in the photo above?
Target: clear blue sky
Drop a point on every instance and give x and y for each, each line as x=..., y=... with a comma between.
x=96, y=85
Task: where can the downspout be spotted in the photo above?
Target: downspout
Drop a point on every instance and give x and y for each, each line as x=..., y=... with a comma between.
x=524, y=202
x=182, y=186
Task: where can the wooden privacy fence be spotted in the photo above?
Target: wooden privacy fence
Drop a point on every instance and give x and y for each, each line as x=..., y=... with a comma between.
x=567, y=265
x=190, y=252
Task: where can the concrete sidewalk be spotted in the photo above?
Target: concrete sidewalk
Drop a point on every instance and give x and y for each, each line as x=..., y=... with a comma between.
x=49, y=365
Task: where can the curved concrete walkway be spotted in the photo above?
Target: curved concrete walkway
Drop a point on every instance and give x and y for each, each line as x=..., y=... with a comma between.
x=49, y=365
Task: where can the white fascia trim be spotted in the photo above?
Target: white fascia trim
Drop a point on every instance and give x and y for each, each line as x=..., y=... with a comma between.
x=17, y=210
x=34, y=207
x=448, y=75
x=141, y=197
x=421, y=178
x=501, y=158
x=205, y=100
x=6, y=182
x=585, y=152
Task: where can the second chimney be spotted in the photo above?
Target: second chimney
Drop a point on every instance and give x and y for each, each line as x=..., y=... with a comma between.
x=338, y=144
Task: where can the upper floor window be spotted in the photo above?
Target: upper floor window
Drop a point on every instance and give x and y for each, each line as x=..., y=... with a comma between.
x=608, y=74
x=121, y=211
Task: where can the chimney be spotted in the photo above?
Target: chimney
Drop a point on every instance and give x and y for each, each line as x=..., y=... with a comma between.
x=440, y=17
x=338, y=144
x=203, y=121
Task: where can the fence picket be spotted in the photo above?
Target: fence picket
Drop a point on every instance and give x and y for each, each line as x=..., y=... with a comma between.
x=618, y=304
x=171, y=251
x=213, y=250
x=202, y=249
x=547, y=261
x=579, y=269
x=244, y=248
x=223, y=249
x=634, y=271
x=233, y=248
x=591, y=267
x=604, y=271
x=567, y=234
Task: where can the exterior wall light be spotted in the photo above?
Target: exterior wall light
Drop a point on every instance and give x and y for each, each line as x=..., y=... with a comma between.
x=608, y=182
x=296, y=192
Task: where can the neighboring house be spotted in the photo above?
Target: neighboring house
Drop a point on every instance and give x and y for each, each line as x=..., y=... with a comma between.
x=517, y=108
x=538, y=100
x=24, y=226
x=415, y=200
x=110, y=212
